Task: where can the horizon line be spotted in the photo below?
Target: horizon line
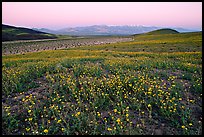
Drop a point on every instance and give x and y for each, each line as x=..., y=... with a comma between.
x=109, y=25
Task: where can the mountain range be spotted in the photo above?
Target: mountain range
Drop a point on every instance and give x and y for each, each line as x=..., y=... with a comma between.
x=106, y=30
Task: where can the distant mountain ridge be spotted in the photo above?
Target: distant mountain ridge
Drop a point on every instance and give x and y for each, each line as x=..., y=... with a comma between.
x=11, y=33
x=106, y=30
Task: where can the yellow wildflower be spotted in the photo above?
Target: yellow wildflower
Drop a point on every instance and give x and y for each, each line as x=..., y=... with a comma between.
x=59, y=121
x=109, y=129
x=29, y=111
x=30, y=119
x=118, y=120
x=191, y=101
x=98, y=114
x=77, y=114
x=46, y=131
x=27, y=129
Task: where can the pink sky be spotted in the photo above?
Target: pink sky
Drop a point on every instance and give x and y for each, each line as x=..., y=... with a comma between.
x=57, y=15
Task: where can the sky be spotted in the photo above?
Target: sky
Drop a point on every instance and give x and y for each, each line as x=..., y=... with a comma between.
x=58, y=15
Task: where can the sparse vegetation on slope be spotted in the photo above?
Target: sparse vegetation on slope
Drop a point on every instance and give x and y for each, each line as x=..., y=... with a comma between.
x=182, y=42
x=10, y=33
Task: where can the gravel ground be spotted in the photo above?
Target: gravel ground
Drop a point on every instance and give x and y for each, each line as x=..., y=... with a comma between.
x=19, y=47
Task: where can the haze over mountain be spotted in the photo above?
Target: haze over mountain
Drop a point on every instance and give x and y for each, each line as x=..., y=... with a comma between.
x=107, y=30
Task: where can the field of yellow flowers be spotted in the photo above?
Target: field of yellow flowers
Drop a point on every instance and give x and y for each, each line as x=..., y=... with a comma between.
x=149, y=86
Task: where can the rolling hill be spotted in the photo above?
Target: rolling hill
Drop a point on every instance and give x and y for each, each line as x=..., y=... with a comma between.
x=10, y=33
x=163, y=31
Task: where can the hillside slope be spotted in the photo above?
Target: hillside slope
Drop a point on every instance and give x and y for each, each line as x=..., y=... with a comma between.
x=10, y=33
x=179, y=42
x=163, y=31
